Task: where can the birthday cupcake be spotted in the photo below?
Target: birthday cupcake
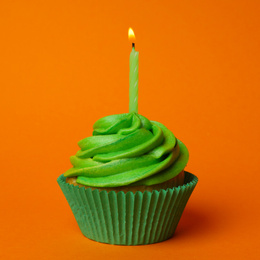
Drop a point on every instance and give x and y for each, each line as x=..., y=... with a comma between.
x=127, y=185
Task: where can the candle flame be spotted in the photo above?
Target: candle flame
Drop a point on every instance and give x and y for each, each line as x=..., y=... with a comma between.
x=131, y=35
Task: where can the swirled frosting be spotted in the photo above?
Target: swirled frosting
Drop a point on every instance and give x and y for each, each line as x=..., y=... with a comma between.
x=128, y=149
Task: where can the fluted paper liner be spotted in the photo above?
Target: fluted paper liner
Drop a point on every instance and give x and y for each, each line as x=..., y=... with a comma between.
x=128, y=219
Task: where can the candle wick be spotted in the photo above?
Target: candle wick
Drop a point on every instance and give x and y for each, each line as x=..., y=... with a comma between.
x=133, y=45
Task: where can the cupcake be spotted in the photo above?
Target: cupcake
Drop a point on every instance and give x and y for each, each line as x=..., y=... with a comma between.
x=127, y=185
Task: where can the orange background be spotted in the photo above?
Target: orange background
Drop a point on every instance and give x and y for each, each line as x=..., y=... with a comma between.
x=64, y=64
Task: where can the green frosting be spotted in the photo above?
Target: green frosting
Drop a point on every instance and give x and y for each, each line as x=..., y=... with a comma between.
x=128, y=149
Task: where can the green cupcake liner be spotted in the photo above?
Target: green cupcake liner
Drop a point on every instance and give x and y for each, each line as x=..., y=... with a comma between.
x=128, y=219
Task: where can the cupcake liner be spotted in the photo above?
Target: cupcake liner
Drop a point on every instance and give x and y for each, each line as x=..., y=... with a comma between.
x=128, y=219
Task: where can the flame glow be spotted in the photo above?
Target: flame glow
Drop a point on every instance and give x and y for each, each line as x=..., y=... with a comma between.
x=131, y=35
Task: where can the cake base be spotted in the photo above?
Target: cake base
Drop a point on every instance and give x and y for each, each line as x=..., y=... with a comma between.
x=120, y=218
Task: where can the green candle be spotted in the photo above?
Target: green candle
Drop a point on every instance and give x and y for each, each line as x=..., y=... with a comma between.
x=133, y=76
